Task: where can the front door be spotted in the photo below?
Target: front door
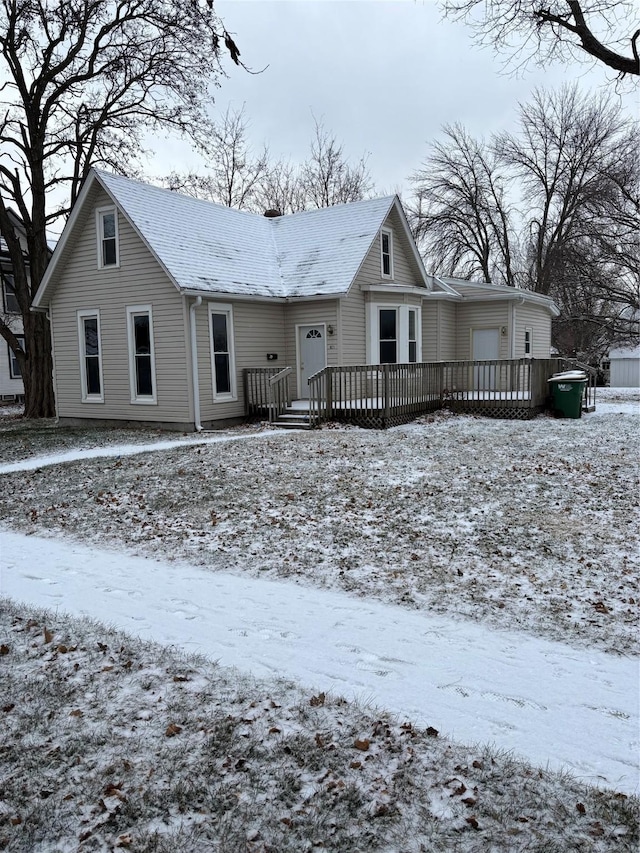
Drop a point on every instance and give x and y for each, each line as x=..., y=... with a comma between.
x=485, y=347
x=313, y=355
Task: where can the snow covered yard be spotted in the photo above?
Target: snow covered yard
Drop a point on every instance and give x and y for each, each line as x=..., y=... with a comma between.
x=523, y=527
x=112, y=743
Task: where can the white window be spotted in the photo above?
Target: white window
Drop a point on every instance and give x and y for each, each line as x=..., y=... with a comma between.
x=107, y=226
x=386, y=253
x=14, y=365
x=222, y=356
x=9, y=294
x=394, y=334
x=90, y=356
x=142, y=365
x=412, y=335
x=528, y=341
x=388, y=336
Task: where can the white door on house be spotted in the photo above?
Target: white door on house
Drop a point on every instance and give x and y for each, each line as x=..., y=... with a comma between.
x=313, y=354
x=485, y=347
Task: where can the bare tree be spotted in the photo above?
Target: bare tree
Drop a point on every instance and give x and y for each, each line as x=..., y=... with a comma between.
x=553, y=207
x=236, y=178
x=85, y=80
x=328, y=177
x=281, y=189
x=460, y=211
x=233, y=175
x=607, y=31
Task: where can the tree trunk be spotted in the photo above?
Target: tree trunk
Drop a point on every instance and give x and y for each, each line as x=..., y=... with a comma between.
x=37, y=376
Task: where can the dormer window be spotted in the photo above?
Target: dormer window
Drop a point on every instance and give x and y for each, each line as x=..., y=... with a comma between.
x=386, y=248
x=108, y=255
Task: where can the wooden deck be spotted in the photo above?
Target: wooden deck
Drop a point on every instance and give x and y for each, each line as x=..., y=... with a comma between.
x=386, y=395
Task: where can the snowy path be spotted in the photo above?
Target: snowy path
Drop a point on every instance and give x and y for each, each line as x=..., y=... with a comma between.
x=115, y=450
x=553, y=704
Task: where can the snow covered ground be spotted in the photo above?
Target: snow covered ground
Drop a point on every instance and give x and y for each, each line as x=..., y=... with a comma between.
x=474, y=576
x=555, y=705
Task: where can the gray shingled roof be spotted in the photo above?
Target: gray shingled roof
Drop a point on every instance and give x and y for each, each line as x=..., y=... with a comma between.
x=214, y=249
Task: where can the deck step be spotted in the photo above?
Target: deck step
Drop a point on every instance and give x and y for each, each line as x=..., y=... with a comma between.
x=293, y=419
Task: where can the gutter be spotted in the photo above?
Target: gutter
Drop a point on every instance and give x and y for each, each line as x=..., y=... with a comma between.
x=194, y=363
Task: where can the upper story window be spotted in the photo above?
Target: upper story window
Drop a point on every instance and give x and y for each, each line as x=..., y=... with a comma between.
x=15, y=371
x=386, y=256
x=142, y=366
x=90, y=356
x=9, y=297
x=222, y=356
x=107, y=225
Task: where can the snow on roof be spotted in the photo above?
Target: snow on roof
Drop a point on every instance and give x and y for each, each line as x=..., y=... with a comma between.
x=215, y=249
x=482, y=290
x=625, y=352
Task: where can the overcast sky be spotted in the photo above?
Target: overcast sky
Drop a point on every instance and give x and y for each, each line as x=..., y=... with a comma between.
x=383, y=76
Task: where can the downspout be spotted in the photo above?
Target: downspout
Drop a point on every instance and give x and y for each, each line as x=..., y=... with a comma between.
x=194, y=363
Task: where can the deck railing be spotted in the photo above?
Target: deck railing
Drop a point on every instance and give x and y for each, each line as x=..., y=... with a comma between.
x=257, y=395
x=279, y=393
x=387, y=394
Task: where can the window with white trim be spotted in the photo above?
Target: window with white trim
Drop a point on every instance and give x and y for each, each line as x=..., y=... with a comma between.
x=108, y=248
x=388, y=336
x=142, y=366
x=222, y=355
x=528, y=341
x=15, y=371
x=9, y=298
x=394, y=334
x=90, y=356
x=386, y=253
x=412, y=338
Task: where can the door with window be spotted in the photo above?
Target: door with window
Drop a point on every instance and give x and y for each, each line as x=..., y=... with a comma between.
x=313, y=354
x=485, y=346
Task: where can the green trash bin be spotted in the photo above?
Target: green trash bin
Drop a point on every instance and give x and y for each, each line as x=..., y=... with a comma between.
x=567, y=392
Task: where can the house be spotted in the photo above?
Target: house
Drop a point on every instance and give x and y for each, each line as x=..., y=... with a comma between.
x=624, y=367
x=11, y=387
x=160, y=302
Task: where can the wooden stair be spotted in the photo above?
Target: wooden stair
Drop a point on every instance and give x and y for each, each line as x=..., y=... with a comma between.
x=293, y=419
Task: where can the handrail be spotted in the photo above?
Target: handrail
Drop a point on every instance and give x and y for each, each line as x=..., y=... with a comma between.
x=279, y=397
x=280, y=375
x=592, y=382
x=320, y=399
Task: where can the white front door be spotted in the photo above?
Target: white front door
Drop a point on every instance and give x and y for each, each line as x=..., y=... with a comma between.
x=485, y=346
x=313, y=355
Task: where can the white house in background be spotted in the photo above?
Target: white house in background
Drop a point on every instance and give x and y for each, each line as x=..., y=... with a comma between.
x=625, y=367
x=158, y=301
x=11, y=387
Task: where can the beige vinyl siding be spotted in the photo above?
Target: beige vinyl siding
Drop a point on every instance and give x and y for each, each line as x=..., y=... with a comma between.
x=405, y=271
x=139, y=280
x=258, y=329
x=308, y=313
x=538, y=319
x=447, y=330
x=481, y=315
x=353, y=327
x=430, y=329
